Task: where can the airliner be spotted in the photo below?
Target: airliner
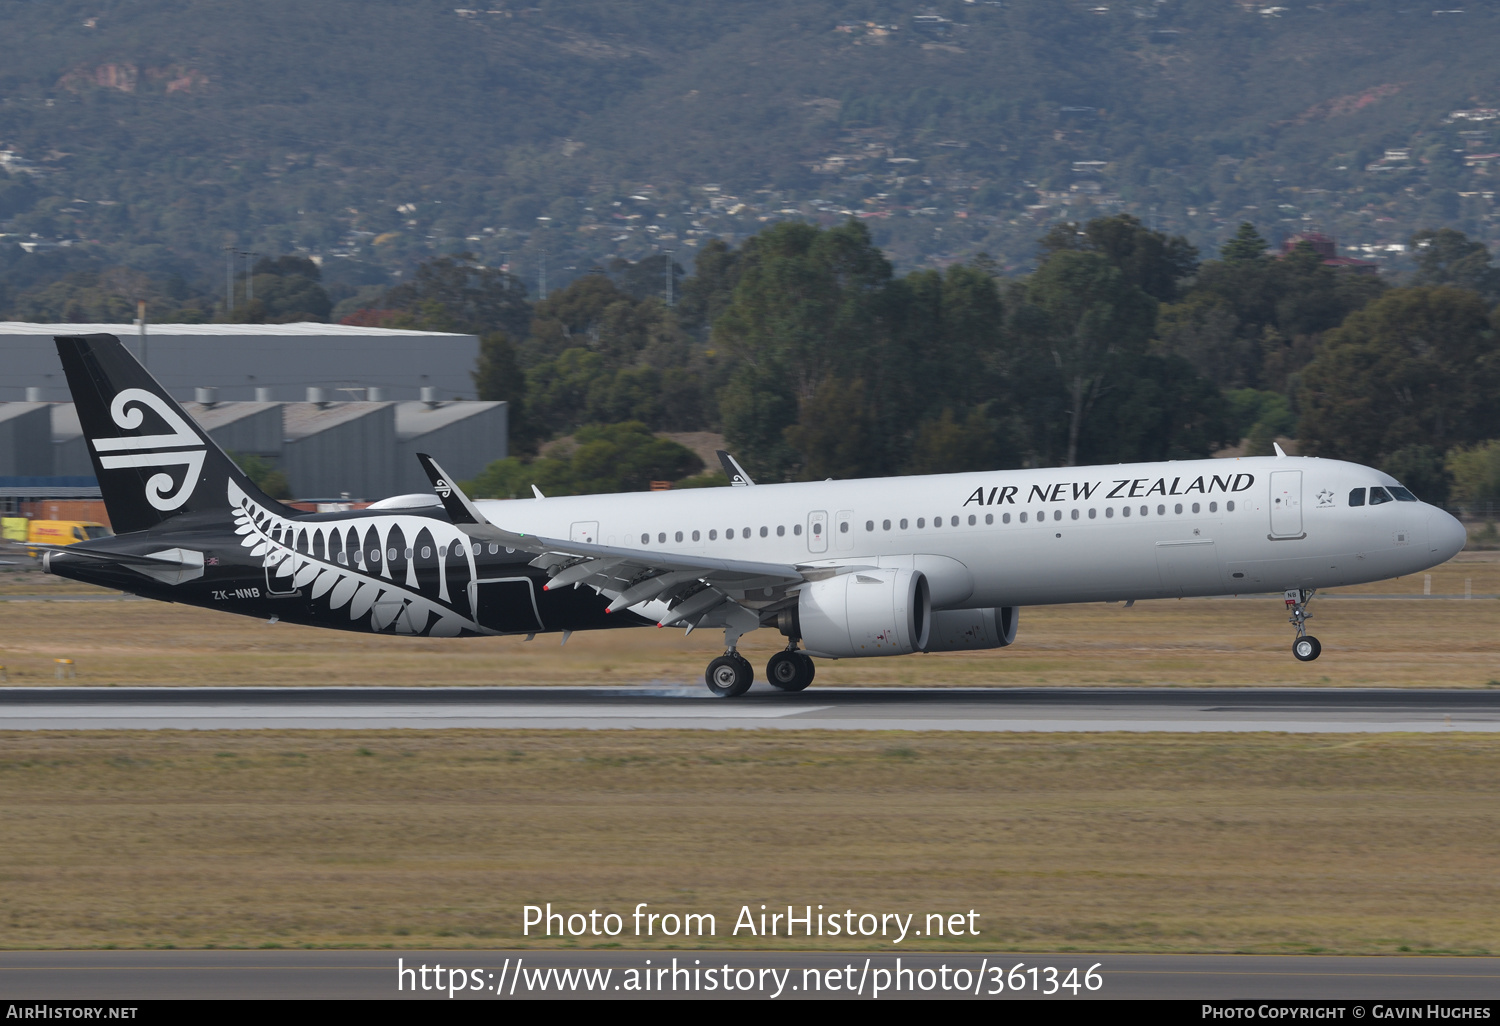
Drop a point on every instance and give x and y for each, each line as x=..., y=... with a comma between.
x=842, y=569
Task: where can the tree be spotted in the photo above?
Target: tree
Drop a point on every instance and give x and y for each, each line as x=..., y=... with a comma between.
x=604, y=458
x=459, y=294
x=1092, y=319
x=1247, y=245
x=497, y=377
x=948, y=445
x=833, y=434
x=1449, y=257
x=1149, y=260
x=1475, y=472
x=1416, y=367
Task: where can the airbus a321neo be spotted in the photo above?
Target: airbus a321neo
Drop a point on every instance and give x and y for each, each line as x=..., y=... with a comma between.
x=844, y=569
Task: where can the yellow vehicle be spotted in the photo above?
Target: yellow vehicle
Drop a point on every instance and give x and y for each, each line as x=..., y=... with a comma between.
x=15, y=529
x=64, y=532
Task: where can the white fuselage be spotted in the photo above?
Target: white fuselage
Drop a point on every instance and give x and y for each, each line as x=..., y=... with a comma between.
x=1036, y=537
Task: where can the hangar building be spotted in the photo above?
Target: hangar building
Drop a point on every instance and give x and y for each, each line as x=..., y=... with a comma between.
x=266, y=362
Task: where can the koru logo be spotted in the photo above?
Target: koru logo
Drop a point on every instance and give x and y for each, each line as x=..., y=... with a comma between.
x=143, y=450
x=443, y=488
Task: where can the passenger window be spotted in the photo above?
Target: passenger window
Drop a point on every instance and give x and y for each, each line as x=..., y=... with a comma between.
x=936, y=522
x=343, y=559
x=1177, y=508
x=645, y=539
x=869, y=525
x=713, y=535
x=1229, y=506
x=764, y=531
x=679, y=536
x=1213, y=507
x=1145, y=510
x=885, y=525
x=1023, y=518
x=729, y=533
x=661, y=539
x=972, y=520
x=1075, y=514
x=1093, y=514
x=1005, y=518
x=696, y=536
x=408, y=553
x=989, y=518
x=745, y=532
x=1357, y=497
x=1379, y=495
x=1057, y=514
x=1402, y=495
x=1161, y=510
x=954, y=521
x=903, y=523
x=797, y=529
x=921, y=522
x=1124, y=511
x=781, y=530
x=1109, y=512
x=1196, y=507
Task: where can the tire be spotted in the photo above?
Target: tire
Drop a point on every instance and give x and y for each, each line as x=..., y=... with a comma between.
x=729, y=676
x=790, y=671
x=809, y=669
x=1307, y=648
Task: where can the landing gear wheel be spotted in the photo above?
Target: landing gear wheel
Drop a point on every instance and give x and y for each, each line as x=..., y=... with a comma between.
x=790, y=671
x=729, y=676
x=1307, y=648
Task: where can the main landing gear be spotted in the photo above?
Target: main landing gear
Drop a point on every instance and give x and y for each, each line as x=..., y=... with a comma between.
x=790, y=670
x=1306, y=648
x=730, y=675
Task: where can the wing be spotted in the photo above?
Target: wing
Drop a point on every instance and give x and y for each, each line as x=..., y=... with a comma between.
x=683, y=589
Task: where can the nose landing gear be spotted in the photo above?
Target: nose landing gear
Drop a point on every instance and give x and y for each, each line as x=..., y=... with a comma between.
x=790, y=670
x=1305, y=648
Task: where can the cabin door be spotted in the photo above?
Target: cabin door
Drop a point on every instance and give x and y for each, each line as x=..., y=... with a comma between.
x=1286, y=504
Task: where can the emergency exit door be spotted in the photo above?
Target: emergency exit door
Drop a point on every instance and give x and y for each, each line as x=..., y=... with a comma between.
x=817, y=531
x=1286, y=504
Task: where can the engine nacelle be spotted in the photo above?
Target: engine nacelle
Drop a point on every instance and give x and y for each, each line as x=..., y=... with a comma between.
x=960, y=630
x=865, y=613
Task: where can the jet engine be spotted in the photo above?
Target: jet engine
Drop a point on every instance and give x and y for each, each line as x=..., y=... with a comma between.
x=960, y=630
x=875, y=612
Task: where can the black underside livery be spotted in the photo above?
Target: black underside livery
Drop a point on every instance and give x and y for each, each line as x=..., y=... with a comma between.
x=193, y=529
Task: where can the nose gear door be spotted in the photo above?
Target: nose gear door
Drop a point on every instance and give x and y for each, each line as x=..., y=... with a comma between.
x=1286, y=504
x=817, y=531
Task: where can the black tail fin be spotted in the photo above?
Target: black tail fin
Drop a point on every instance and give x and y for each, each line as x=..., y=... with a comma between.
x=153, y=462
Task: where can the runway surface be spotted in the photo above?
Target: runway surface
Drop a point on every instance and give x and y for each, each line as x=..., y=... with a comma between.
x=1187, y=710
x=147, y=975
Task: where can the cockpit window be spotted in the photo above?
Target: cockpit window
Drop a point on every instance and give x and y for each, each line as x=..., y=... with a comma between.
x=1357, y=497
x=1402, y=495
x=1379, y=495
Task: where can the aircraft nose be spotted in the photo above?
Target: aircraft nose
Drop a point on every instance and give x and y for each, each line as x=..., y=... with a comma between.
x=1446, y=536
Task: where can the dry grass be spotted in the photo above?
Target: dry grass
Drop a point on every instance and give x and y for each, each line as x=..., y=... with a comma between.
x=1260, y=843
x=1189, y=642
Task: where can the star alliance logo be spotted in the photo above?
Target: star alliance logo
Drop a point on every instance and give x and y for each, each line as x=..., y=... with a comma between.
x=1325, y=498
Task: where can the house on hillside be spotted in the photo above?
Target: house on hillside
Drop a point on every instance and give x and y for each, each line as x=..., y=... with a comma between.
x=1328, y=249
